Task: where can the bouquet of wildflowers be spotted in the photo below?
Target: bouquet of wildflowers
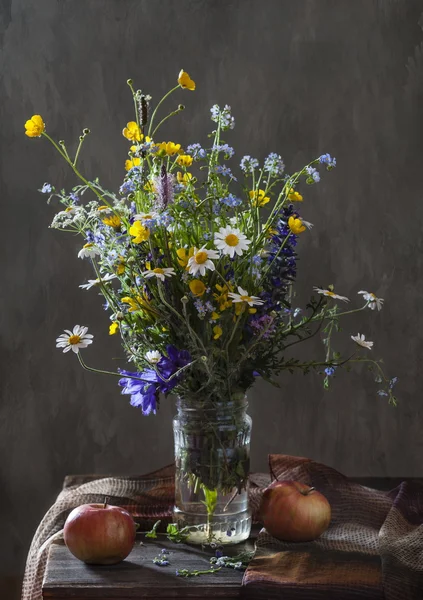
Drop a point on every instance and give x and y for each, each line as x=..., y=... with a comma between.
x=197, y=268
x=197, y=272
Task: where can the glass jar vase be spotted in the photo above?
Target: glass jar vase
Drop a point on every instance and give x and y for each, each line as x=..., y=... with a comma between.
x=212, y=457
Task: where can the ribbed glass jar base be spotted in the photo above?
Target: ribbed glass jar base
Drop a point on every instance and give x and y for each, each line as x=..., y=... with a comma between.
x=212, y=452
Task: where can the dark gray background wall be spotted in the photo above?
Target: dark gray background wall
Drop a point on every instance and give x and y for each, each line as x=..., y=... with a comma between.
x=303, y=77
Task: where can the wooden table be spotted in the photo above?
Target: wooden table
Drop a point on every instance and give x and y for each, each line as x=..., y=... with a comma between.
x=138, y=577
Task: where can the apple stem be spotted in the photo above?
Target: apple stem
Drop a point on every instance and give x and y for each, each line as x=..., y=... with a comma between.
x=307, y=492
x=105, y=501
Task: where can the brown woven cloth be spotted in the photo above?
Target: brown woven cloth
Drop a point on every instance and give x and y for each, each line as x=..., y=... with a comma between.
x=147, y=498
x=373, y=548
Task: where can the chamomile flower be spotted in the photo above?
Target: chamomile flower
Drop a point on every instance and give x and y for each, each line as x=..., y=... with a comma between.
x=201, y=260
x=360, y=339
x=74, y=340
x=330, y=294
x=160, y=273
x=153, y=356
x=243, y=296
x=229, y=240
x=374, y=301
x=145, y=217
x=93, y=282
x=88, y=251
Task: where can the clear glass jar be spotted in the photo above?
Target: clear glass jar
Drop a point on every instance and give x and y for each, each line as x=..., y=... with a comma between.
x=212, y=456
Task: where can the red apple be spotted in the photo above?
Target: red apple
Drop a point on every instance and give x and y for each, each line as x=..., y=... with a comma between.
x=99, y=534
x=294, y=512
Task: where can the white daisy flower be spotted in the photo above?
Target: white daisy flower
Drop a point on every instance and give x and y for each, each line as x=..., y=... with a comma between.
x=88, y=251
x=374, y=301
x=200, y=261
x=92, y=282
x=330, y=294
x=243, y=296
x=76, y=339
x=153, y=356
x=361, y=341
x=146, y=216
x=160, y=273
x=230, y=240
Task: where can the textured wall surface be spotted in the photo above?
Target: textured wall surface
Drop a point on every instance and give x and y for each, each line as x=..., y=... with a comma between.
x=303, y=77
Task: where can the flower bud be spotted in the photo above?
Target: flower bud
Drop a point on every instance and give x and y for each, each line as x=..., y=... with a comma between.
x=129, y=81
x=86, y=131
x=181, y=106
x=184, y=300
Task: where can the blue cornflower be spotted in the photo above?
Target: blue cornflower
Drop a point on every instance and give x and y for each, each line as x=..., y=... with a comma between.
x=330, y=371
x=46, y=189
x=127, y=187
x=326, y=159
x=382, y=393
x=89, y=236
x=274, y=165
x=143, y=389
x=313, y=175
x=74, y=197
x=231, y=200
x=248, y=164
x=207, y=236
x=257, y=259
x=228, y=151
x=196, y=151
x=224, y=170
x=222, y=116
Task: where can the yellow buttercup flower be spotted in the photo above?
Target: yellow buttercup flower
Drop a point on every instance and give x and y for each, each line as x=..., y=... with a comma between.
x=222, y=296
x=183, y=178
x=185, y=81
x=259, y=198
x=114, y=328
x=197, y=287
x=296, y=225
x=34, y=126
x=184, y=160
x=132, y=132
x=214, y=316
x=133, y=304
x=113, y=221
x=217, y=330
x=184, y=256
x=169, y=148
x=294, y=196
x=139, y=232
x=134, y=162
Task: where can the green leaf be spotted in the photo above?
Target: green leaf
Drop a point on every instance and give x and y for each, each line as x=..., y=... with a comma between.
x=153, y=533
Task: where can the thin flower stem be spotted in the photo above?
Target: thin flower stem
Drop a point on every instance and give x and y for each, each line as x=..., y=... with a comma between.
x=172, y=114
x=158, y=105
x=81, y=141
